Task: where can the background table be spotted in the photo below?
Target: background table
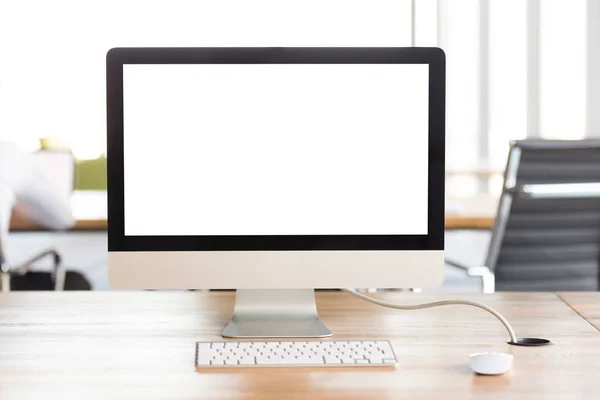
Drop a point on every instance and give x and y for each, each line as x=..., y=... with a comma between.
x=475, y=212
x=113, y=345
x=90, y=211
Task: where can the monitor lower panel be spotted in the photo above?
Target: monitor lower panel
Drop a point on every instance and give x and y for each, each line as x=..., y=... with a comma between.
x=275, y=269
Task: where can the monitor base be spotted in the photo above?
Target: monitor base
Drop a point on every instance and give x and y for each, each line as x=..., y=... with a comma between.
x=275, y=313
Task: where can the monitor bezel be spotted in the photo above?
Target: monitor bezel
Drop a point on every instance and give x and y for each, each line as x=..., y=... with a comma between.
x=434, y=57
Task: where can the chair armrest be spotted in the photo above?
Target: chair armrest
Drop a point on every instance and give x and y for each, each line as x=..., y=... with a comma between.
x=488, y=279
x=456, y=264
x=59, y=272
x=26, y=266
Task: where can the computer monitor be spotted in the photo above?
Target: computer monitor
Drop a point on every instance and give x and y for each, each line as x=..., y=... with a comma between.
x=275, y=171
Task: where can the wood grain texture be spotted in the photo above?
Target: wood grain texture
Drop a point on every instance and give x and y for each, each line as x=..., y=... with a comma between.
x=587, y=304
x=457, y=222
x=140, y=345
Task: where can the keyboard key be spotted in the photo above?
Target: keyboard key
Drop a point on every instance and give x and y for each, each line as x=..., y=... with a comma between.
x=332, y=360
x=204, y=350
x=271, y=361
x=310, y=359
x=362, y=361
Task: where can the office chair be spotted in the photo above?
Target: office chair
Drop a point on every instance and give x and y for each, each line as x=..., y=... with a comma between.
x=23, y=178
x=546, y=236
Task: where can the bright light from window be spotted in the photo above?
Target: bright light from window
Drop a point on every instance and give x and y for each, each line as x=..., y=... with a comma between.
x=52, y=53
x=462, y=104
x=507, y=77
x=562, y=69
x=426, y=21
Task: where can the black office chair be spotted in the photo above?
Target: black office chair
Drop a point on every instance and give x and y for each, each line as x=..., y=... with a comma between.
x=23, y=276
x=547, y=231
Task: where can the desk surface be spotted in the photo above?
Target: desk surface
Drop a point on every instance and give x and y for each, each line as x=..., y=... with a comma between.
x=585, y=304
x=89, y=209
x=100, y=345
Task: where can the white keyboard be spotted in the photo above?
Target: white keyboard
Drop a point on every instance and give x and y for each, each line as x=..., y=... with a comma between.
x=327, y=353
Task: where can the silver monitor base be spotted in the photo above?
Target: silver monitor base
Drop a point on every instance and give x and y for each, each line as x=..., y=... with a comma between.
x=275, y=313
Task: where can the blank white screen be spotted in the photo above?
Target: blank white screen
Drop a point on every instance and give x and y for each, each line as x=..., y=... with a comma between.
x=275, y=149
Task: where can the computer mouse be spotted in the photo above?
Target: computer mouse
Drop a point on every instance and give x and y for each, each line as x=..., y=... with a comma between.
x=487, y=363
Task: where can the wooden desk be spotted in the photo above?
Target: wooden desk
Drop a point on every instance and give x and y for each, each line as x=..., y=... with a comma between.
x=477, y=212
x=89, y=209
x=117, y=345
x=21, y=224
x=586, y=304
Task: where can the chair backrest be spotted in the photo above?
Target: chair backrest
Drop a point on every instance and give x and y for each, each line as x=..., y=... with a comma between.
x=547, y=230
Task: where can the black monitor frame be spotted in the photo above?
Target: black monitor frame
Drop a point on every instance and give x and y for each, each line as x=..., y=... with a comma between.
x=434, y=57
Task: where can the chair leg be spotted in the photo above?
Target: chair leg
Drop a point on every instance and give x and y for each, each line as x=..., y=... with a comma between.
x=4, y=282
x=60, y=275
x=488, y=282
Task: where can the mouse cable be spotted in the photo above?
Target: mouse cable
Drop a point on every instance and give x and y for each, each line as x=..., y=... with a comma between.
x=511, y=332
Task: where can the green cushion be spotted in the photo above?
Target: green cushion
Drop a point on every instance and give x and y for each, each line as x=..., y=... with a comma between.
x=90, y=174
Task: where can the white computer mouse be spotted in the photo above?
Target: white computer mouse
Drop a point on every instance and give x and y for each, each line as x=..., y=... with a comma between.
x=491, y=363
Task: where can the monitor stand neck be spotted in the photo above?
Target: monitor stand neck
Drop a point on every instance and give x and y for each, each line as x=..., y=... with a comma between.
x=275, y=313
